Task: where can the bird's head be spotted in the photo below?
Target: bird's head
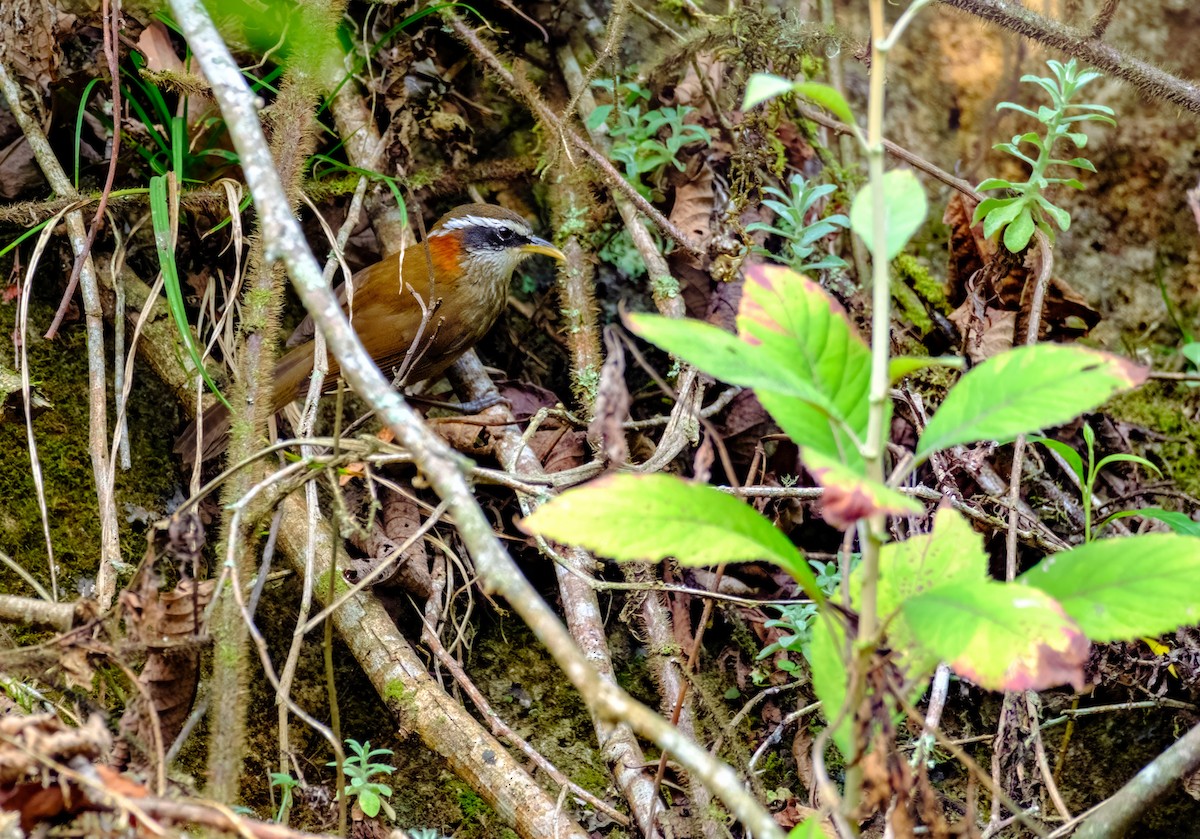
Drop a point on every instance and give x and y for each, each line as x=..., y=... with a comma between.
x=484, y=243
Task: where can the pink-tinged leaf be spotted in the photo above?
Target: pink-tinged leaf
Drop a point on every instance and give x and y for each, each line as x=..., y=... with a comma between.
x=850, y=496
x=652, y=517
x=1120, y=589
x=1024, y=390
x=950, y=552
x=998, y=636
x=799, y=330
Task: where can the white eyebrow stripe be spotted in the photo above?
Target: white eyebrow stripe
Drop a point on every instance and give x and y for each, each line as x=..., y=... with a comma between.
x=481, y=221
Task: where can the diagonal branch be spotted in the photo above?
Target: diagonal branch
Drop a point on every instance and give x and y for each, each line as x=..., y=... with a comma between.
x=441, y=466
x=1147, y=78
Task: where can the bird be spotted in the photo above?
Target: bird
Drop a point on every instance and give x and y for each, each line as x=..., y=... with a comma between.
x=473, y=251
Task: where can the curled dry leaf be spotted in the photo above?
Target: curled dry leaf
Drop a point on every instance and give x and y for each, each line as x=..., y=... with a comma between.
x=612, y=403
x=24, y=739
x=400, y=517
x=982, y=277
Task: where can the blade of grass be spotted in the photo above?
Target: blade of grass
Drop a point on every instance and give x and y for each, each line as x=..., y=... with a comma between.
x=161, y=218
x=87, y=91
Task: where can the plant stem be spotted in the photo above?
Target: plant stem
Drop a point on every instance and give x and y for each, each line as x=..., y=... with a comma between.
x=874, y=534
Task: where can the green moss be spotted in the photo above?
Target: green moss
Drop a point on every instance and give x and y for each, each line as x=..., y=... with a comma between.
x=909, y=308
x=59, y=372
x=664, y=287
x=395, y=691
x=256, y=308
x=340, y=586
x=928, y=287
x=472, y=805
x=587, y=383
x=1164, y=408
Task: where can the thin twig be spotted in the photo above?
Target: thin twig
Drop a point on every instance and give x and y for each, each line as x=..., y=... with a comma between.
x=440, y=466
x=1147, y=78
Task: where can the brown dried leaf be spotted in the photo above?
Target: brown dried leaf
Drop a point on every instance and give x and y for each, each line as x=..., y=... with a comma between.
x=612, y=403
x=987, y=276
x=985, y=333
x=18, y=169
x=27, y=738
x=169, y=624
x=400, y=517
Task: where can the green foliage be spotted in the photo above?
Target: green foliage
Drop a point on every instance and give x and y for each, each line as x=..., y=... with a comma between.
x=1118, y=589
x=796, y=619
x=161, y=219
x=1087, y=477
x=795, y=347
x=800, y=238
x=1023, y=390
x=905, y=208
x=696, y=524
x=286, y=784
x=170, y=149
x=644, y=140
x=933, y=592
x=359, y=769
x=1029, y=209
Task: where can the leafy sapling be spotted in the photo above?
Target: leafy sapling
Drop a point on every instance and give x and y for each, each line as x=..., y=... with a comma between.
x=359, y=769
x=1028, y=209
x=286, y=784
x=801, y=238
x=1088, y=474
x=644, y=140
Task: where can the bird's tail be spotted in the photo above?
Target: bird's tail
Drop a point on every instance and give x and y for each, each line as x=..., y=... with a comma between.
x=291, y=373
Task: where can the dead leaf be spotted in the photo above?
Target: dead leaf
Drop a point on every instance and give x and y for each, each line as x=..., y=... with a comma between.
x=987, y=276
x=606, y=431
x=399, y=518
x=984, y=334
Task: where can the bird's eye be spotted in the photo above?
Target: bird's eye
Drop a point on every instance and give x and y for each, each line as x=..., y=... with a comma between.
x=506, y=234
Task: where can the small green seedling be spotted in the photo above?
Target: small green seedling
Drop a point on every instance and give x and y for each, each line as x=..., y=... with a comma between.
x=638, y=139
x=1028, y=209
x=359, y=768
x=286, y=784
x=800, y=237
x=1087, y=485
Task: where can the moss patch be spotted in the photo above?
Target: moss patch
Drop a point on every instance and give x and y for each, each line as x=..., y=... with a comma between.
x=59, y=372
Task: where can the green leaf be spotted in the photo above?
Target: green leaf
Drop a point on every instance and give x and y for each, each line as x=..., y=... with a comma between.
x=1128, y=458
x=1180, y=523
x=1001, y=216
x=796, y=329
x=1120, y=589
x=905, y=209
x=850, y=495
x=368, y=802
x=828, y=98
x=951, y=552
x=725, y=357
x=1066, y=453
x=762, y=87
x=810, y=828
x=1019, y=231
x=830, y=674
x=988, y=205
x=1024, y=390
x=161, y=220
x=651, y=517
x=998, y=636
x=1061, y=217
x=903, y=365
x=598, y=117
x=994, y=183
